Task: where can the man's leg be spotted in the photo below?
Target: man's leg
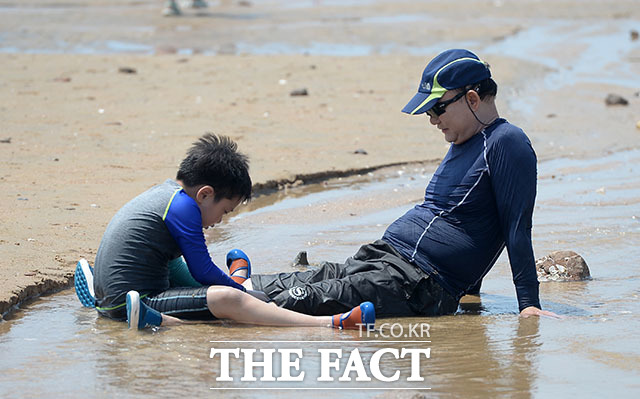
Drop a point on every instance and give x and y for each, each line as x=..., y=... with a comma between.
x=376, y=273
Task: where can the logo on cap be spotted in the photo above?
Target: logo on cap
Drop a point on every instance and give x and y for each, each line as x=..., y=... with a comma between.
x=426, y=86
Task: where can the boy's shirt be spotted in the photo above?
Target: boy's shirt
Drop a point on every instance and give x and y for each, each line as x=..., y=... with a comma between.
x=157, y=226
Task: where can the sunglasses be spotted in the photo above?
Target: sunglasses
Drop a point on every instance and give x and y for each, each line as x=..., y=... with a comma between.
x=440, y=108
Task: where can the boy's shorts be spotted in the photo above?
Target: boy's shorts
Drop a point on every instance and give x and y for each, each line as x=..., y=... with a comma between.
x=185, y=303
x=376, y=273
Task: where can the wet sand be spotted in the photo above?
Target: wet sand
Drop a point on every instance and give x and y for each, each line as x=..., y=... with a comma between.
x=85, y=138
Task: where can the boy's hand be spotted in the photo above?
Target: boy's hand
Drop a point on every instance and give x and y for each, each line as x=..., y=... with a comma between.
x=533, y=311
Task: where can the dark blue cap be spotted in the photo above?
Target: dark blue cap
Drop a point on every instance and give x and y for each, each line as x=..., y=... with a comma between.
x=450, y=69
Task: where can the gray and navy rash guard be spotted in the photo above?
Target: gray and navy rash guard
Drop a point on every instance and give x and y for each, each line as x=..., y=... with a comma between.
x=157, y=226
x=479, y=200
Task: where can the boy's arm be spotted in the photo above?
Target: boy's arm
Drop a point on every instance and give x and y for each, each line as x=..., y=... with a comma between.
x=184, y=222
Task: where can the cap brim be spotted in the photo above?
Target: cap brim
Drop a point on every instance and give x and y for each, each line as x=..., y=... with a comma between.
x=421, y=103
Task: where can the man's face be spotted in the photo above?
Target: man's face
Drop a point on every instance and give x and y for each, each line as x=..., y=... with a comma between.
x=457, y=122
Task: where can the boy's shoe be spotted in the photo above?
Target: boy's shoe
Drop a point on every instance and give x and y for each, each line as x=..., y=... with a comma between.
x=83, y=281
x=360, y=317
x=139, y=315
x=171, y=9
x=199, y=4
x=239, y=265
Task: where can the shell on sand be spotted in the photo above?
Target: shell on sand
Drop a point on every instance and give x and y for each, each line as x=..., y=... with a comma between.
x=562, y=266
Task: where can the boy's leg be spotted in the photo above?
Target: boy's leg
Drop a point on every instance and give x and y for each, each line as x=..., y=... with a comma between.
x=186, y=303
x=179, y=275
x=238, y=264
x=229, y=303
x=139, y=315
x=210, y=303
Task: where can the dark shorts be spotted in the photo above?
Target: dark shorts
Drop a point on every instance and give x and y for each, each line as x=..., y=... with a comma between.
x=376, y=273
x=185, y=303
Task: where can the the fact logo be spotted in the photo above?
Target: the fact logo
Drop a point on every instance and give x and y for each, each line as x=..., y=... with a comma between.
x=361, y=360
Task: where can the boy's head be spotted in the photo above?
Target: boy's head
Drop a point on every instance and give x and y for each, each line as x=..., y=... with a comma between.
x=214, y=161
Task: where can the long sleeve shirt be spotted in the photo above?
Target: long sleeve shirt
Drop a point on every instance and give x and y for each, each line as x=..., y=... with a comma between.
x=479, y=201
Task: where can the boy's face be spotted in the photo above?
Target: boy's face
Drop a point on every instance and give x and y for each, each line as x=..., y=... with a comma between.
x=212, y=210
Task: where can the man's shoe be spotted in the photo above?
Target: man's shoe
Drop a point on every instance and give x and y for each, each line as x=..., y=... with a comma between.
x=83, y=281
x=361, y=317
x=139, y=315
x=239, y=265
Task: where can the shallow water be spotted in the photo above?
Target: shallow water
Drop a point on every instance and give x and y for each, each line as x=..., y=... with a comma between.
x=589, y=206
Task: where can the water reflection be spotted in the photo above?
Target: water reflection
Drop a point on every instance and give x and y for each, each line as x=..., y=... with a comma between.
x=484, y=351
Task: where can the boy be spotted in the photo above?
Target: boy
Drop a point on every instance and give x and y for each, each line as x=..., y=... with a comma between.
x=132, y=276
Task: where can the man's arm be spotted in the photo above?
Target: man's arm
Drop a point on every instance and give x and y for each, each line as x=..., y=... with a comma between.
x=512, y=164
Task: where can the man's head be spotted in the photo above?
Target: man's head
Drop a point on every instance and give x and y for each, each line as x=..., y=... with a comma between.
x=457, y=92
x=217, y=175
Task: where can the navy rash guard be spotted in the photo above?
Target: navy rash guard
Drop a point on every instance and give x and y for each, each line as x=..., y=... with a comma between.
x=479, y=200
x=157, y=226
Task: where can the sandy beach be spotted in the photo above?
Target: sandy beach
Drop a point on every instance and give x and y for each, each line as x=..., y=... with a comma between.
x=84, y=132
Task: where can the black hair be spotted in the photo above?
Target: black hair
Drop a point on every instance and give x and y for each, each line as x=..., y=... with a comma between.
x=484, y=88
x=214, y=161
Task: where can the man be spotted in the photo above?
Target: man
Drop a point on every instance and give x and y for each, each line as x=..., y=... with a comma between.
x=479, y=201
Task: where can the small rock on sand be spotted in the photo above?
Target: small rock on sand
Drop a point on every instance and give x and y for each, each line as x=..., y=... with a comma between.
x=301, y=259
x=562, y=266
x=128, y=70
x=615, y=99
x=299, y=92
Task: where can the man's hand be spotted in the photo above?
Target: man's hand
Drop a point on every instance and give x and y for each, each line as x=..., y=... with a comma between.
x=533, y=311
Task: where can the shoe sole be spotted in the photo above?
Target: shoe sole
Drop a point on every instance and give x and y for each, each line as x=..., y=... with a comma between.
x=83, y=281
x=133, y=310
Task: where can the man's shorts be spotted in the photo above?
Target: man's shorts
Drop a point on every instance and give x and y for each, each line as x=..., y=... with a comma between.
x=376, y=273
x=185, y=303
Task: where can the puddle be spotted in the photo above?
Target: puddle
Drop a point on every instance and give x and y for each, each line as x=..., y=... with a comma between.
x=589, y=206
x=599, y=52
